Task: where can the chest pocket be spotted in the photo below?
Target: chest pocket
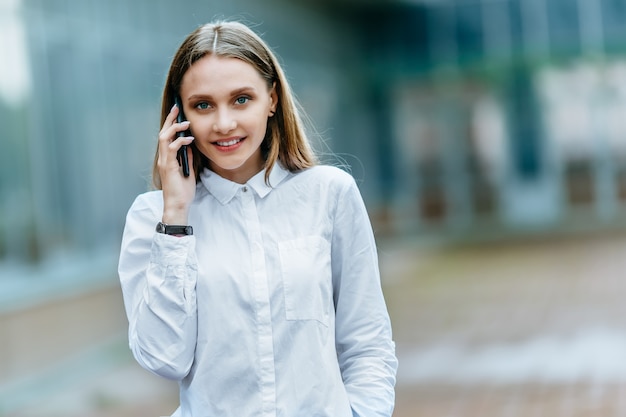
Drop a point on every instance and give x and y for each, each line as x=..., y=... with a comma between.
x=307, y=277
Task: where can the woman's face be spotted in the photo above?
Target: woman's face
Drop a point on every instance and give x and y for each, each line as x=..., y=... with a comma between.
x=227, y=104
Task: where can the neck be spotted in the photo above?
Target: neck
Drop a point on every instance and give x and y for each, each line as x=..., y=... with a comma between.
x=240, y=175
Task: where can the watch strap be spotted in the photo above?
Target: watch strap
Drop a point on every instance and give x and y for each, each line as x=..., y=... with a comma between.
x=174, y=229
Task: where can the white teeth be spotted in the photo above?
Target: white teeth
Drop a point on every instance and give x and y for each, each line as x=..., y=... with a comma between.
x=229, y=143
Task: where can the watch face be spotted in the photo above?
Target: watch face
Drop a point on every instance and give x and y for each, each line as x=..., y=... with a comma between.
x=160, y=227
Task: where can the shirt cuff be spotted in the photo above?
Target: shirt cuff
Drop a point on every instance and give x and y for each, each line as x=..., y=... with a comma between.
x=171, y=250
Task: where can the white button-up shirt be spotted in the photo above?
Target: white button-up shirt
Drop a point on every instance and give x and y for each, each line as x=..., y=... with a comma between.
x=272, y=308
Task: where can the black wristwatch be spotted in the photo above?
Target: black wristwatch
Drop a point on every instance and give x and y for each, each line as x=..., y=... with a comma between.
x=173, y=229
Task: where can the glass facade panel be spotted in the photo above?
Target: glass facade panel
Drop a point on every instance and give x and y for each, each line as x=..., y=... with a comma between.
x=564, y=23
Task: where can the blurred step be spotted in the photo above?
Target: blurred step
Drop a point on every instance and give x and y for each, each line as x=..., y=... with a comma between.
x=50, y=319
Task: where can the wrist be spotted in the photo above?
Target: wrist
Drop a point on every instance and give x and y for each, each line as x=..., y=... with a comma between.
x=175, y=217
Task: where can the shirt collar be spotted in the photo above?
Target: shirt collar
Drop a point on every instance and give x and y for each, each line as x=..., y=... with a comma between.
x=224, y=190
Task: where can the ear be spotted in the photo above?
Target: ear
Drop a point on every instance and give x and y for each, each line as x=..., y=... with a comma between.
x=273, y=99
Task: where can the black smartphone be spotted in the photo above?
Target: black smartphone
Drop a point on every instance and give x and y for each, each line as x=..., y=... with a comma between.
x=183, y=159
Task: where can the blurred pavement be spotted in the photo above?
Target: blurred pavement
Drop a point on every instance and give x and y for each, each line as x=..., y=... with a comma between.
x=534, y=328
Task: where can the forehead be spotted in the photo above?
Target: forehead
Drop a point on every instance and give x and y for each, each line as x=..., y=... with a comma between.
x=216, y=75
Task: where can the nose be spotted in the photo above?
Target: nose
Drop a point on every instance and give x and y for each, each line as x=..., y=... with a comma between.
x=224, y=122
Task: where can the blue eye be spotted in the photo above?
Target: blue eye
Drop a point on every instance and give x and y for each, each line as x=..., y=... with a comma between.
x=242, y=100
x=202, y=106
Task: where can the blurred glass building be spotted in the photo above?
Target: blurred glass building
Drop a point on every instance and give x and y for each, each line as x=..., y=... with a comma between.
x=460, y=119
x=451, y=113
x=79, y=96
x=497, y=117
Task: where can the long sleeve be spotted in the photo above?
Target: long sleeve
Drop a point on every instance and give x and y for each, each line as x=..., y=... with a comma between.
x=158, y=277
x=365, y=348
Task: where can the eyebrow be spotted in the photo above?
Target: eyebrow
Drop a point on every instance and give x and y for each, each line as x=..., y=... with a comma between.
x=231, y=94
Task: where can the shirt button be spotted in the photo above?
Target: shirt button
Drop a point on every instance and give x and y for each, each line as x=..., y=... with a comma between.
x=245, y=189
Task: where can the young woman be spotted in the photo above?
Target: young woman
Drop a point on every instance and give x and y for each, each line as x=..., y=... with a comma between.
x=253, y=281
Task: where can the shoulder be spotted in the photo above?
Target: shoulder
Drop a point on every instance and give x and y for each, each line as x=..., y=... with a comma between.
x=326, y=175
x=150, y=201
x=323, y=183
x=143, y=215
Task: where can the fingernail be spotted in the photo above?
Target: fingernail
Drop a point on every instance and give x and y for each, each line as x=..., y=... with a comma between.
x=186, y=123
x=173, y=107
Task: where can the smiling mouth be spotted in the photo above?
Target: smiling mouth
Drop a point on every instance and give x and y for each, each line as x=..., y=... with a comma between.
x=227, y=143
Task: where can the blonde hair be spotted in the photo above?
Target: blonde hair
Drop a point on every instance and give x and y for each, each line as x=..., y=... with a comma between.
x=285, y=139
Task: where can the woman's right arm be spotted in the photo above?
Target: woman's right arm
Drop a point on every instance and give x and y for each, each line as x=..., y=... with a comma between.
x=158, y=278
x=158, y=272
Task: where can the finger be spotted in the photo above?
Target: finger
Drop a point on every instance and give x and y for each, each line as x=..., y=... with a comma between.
x=172, y=114
x=170, y=120
x=175, y=145
x=183, y=140
x=168, y=152
x=168, y=134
